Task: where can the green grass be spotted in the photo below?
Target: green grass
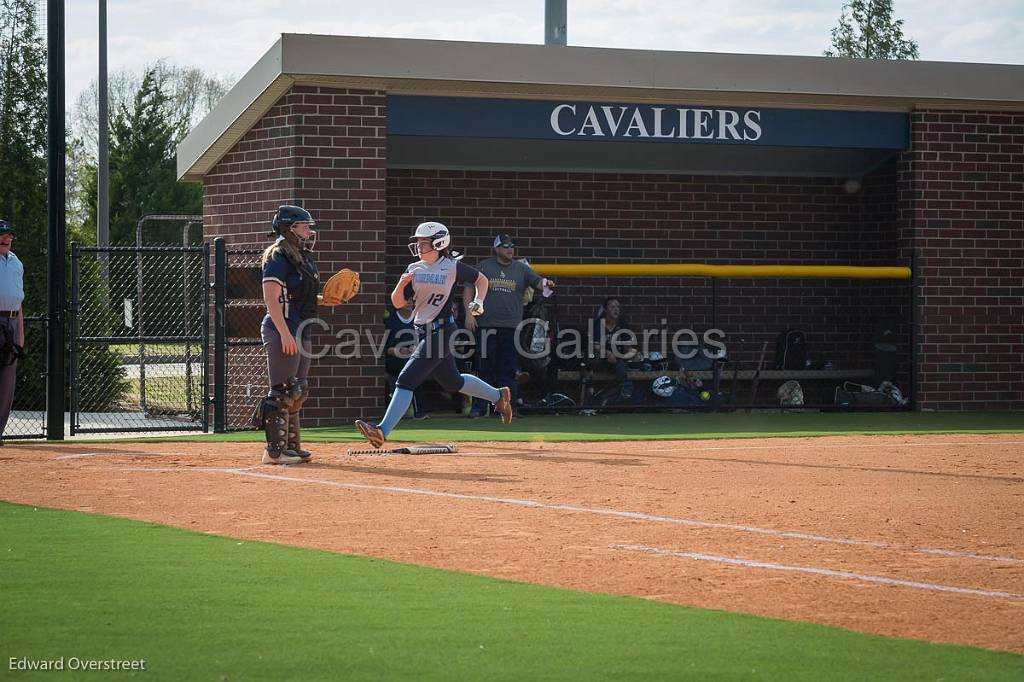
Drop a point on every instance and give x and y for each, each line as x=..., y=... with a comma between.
x=164, y=393
x=131, y=350
x=200, y=607
x=668, y=427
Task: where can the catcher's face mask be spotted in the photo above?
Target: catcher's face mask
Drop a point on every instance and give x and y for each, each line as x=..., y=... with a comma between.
x=306, y=234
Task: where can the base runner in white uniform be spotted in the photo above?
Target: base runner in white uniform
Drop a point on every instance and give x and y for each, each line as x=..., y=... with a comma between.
x=430, y=282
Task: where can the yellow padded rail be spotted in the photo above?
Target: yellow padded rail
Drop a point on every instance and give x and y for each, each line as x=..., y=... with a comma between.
x=703, y=270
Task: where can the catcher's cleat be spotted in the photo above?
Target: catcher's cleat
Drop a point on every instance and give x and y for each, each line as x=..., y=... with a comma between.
x=371, y=432
x=303, y=455
x=504, y=405
x=279, y=457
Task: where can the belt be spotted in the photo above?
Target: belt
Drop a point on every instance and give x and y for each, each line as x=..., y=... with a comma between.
x=9, y=313
x=435, y=324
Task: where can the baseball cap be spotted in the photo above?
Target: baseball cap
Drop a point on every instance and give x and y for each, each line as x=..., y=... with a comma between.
x=5, y=228
x=504, y=240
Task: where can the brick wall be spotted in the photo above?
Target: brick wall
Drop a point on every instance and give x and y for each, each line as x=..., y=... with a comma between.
x=578, y=217
x=962, y=215
x=322, y=148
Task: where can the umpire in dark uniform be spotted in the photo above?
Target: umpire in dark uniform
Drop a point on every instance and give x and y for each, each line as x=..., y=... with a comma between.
x=12, y=322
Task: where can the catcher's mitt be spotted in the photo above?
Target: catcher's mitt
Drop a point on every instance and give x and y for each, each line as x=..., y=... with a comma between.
x=341, y=287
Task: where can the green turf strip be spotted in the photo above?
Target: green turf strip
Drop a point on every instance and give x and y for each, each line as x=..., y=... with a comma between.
x=554, y=428
x=199, y=607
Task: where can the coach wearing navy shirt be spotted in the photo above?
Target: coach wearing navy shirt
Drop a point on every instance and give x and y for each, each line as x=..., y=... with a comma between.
x=12, y=324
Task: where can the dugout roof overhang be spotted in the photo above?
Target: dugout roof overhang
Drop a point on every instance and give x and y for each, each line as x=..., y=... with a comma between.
x=519, y=75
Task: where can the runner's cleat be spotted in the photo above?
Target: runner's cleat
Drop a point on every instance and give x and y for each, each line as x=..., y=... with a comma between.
x=371, y=432
x=504, y=405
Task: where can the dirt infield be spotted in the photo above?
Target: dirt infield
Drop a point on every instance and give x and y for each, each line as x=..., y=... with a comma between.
x=912, y=536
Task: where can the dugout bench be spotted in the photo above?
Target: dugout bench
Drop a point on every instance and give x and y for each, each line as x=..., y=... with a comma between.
x=588, y=379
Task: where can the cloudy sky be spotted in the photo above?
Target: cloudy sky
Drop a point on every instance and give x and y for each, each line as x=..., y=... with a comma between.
x=226, y=37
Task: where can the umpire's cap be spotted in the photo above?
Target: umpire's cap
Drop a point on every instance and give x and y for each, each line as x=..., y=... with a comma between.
x=504, y=240
x=5, y=228
x=287, y=216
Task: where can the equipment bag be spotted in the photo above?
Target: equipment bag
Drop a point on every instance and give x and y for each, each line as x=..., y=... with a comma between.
x=790, y=350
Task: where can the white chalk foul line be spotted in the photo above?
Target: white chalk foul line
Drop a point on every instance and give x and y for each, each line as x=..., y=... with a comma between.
x=746, y=563
x=79, y=455
x=533, y=504
x=839, y=446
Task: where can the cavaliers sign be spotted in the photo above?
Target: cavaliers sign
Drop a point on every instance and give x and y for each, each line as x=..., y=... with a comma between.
x=664, y=123
x=644, y=123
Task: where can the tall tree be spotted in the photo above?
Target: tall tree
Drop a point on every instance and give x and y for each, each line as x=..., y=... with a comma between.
x=191, y=95
x=867, y=30
x=23, y=141
x=143, y=172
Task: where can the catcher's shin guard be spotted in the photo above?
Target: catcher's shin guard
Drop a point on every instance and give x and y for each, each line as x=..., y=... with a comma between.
x=295, y=438
x=274, y=418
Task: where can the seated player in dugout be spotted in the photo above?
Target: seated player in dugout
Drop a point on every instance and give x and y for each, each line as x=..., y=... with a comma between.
x=612, y=341
x=399, y=345
x=430, y=281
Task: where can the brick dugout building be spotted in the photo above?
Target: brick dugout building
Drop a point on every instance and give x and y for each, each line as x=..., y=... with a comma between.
x=611, y=156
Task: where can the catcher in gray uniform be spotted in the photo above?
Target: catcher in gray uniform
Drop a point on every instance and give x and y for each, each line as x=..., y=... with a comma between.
x=430, y=282
x=291, y=285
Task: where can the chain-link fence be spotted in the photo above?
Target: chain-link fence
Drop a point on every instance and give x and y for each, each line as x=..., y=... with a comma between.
x=28, y=413
x=240, y=361
x=139, y=334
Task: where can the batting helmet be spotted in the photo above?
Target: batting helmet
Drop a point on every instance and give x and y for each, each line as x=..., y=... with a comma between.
x=287, y=216
x=790, y=394
x=663, y=386
x=439, y=236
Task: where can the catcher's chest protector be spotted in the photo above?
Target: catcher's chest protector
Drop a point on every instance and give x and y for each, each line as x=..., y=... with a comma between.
x=303, y=300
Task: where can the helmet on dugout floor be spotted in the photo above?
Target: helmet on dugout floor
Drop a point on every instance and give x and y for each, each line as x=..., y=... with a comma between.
x=790, y=394
x=439, y=236
x=663, y=386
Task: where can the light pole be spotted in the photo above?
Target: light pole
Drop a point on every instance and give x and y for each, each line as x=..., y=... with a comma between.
x=555, y=22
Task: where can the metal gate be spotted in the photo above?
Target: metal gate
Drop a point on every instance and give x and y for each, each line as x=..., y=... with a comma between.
x=139, y=338
x=240, y=362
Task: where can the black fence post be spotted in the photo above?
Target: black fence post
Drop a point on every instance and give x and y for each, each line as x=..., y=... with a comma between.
x=73, y=371
x=56, y=232
x=205, y=401
x=220, y=365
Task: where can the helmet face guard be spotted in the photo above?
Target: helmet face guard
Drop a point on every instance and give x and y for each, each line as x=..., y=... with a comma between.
x=439, y=236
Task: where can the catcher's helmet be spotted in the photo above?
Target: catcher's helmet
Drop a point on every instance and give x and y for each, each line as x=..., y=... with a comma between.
x=287, y=216
x=439, y=236
x=663, y=386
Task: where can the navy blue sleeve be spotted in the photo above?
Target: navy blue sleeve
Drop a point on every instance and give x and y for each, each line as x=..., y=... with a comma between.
x=465, y=274
x=277, y=269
